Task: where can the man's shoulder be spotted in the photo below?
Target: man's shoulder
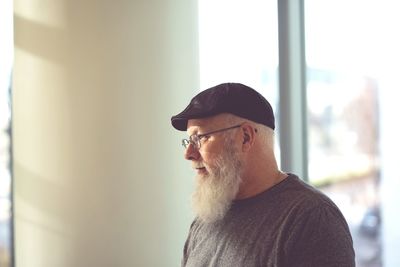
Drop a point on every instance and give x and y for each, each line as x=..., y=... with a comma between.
x=294, y=196
x=300, y=190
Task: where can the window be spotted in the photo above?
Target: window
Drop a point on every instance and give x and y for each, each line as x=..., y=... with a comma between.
x=345, y=54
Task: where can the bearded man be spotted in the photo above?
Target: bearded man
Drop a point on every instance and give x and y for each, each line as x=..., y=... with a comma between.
x=248, y=212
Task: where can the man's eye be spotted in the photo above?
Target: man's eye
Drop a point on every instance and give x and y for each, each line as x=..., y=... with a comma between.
x=205, y=137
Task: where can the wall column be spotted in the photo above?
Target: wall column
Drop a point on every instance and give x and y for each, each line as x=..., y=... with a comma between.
x=96, y=162
x=292, y=88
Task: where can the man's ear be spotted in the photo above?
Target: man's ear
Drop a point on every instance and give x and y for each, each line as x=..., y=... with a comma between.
x=248, y=136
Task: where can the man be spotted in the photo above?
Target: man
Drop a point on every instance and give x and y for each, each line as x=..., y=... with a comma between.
x=249, y=213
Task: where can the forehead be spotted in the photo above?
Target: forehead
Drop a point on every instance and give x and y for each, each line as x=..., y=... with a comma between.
x=204, y=124
x=197, y=125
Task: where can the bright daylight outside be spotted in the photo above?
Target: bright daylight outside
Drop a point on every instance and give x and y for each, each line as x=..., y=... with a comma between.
x=344, y=67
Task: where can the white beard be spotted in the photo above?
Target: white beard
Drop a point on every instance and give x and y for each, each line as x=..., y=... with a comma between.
x=215, y=192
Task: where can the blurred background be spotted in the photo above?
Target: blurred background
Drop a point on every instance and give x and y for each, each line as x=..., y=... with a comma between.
x=91, y=173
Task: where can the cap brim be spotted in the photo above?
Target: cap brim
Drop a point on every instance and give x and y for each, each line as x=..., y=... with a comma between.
x=179, y=123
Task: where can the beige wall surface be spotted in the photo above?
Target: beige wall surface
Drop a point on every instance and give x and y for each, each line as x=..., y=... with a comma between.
x=99, y=179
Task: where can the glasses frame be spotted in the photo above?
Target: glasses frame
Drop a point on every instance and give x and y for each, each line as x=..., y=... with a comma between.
x=195, y=139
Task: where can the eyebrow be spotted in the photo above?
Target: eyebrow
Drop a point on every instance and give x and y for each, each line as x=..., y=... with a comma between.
x=195, y=131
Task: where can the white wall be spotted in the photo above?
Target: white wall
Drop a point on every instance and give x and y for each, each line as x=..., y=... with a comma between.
x=99, y=179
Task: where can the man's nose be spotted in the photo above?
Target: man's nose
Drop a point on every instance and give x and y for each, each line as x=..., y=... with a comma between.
x=191, y=152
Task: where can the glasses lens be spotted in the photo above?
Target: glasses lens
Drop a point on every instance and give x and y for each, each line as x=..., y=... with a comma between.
x=185, y=143
x=196, y=141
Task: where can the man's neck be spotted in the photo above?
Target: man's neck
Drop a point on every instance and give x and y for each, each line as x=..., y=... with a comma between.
x=254, y=185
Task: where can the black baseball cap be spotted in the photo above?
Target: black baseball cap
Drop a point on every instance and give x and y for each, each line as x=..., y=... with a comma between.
x=235, y=98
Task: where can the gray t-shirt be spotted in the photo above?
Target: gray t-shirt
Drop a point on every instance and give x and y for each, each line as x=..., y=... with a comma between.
x=289, y=225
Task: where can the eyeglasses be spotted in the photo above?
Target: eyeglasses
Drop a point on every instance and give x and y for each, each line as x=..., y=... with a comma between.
x=195, y=139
